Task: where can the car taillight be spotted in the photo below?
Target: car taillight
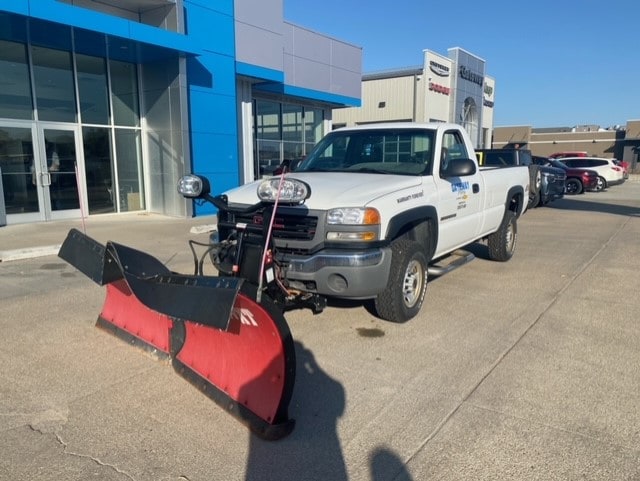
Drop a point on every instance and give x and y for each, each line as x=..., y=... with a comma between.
x=617, y=169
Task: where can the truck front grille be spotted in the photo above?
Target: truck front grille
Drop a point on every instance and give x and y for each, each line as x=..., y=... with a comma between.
x=285, y=226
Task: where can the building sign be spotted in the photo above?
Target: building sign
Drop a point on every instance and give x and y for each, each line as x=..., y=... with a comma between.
x=439, y=88
x=488, y=92
x=439, y=69
x=470, y=75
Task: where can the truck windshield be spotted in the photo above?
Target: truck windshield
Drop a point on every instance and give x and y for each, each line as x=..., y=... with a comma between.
x=379, y=151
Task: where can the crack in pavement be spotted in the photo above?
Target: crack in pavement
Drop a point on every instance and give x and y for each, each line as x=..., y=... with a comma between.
x=65, y=450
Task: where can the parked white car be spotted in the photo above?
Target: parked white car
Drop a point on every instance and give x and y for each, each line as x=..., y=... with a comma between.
x=608, y=172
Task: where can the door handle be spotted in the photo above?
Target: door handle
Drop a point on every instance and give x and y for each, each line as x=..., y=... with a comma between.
x=475, y=188
x=45, y=179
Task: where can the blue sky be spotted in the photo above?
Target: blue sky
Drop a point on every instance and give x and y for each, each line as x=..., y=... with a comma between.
x=556, y=63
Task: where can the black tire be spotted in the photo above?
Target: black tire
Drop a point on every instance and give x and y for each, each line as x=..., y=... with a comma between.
x=502, y=243
x=534, y=196
x=407, y=284
x=601, y=185
x=534, y=201
x=573, y=187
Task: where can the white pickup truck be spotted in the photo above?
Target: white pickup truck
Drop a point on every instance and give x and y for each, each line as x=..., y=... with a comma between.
x=389, y=205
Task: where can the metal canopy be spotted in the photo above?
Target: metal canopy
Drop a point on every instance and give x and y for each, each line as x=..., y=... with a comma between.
x=135, y=5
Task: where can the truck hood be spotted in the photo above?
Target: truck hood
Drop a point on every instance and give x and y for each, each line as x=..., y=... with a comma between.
x=335, y=189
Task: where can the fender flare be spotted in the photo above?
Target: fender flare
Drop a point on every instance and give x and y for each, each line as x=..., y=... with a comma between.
x=416, y=215
x=515, y=194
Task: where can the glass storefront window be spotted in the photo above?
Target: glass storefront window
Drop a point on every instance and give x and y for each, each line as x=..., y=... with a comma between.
x=15, y=95
x=292, y=123
x=284, y=132
x=268, y=156
x=98, y=165
x=53, y=78
x=267, y=120
x=292, y=150
x=92, y=87
x=124, y=93
x=313, y=127
x=18, y=171
x=130, y=174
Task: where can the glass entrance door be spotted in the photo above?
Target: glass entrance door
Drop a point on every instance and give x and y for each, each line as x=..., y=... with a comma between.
x=56, y=171
x=38, y=166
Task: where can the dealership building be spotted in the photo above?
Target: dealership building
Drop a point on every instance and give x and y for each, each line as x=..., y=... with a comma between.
x=618, y=142
x=454, y=89
x=105, y=104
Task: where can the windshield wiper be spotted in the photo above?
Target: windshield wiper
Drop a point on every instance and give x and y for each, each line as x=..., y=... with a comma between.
x=369, y=170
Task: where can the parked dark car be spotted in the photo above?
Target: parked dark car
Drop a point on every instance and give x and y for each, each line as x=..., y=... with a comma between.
x=546, y=183
x=553, y=184
x=578, y=181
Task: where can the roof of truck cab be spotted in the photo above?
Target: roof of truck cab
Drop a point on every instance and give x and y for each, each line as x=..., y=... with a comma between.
x=401, y=125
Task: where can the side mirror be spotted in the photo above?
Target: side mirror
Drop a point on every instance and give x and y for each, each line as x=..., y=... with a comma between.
x=193, y=186
x=460, y=168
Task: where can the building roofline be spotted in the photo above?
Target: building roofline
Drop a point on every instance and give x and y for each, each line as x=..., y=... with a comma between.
x=392, y=73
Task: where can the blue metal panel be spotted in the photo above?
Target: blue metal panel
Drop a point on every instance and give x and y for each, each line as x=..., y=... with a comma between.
x=309, y=94
x=212, y=95
x=258, y=72
x=220, y=6
x=211, y=112
x=216, y=157
x=16, y=6
x=220, y=70
x=70, y=15
x=209, y=29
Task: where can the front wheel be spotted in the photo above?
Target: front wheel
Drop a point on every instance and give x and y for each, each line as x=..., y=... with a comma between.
x=407, y=284
x=502, y=243
x=573, y=187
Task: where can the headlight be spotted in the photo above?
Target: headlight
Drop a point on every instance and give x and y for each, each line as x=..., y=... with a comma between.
x=353, y=216
x=353, y=224
x=193, y=186
x=292, y=191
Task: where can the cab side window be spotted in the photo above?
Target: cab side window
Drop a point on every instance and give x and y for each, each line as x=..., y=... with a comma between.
x=453, y=147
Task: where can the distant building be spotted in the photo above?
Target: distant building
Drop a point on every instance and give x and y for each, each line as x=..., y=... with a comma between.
x=615, y=142
x=443, y=89
x=105, y=104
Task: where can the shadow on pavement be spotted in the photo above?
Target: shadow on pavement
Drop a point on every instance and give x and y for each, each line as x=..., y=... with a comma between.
x=385, y=465
x=590, y=206
x=312, y=451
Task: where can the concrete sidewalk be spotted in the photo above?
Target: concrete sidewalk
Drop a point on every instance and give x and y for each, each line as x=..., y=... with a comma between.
x=140, y=230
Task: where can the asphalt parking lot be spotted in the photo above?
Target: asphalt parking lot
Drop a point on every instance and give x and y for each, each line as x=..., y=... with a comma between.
x=525, y=370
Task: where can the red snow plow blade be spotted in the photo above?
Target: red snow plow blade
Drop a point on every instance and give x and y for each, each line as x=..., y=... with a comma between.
x=237, y=351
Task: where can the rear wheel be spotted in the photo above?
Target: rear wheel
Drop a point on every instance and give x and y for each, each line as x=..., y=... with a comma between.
x=534, y=200
x=601, y=185
x=573, y=186
x=534, y=196
x=502, y=243
x=407, y=284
